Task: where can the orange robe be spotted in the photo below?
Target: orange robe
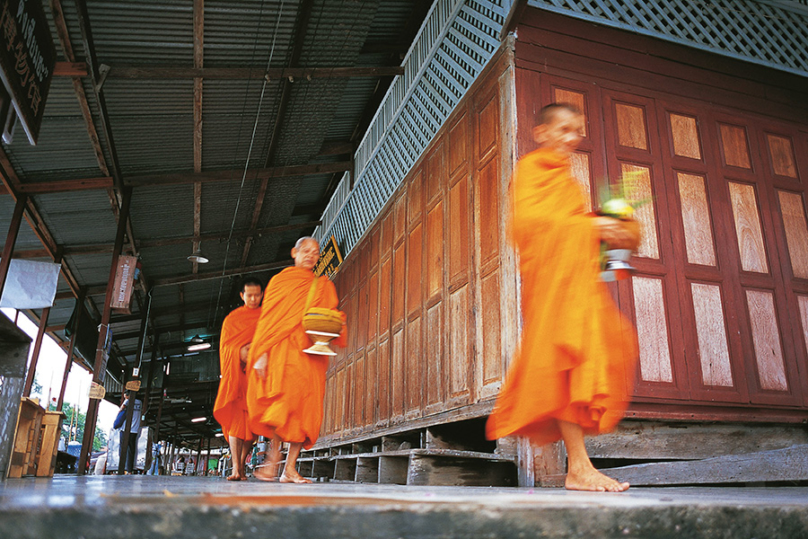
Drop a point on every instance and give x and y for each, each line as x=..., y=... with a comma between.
x=230, y=408
x=289, y=401
x=577, y=355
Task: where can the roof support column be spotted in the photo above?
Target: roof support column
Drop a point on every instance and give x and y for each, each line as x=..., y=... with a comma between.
x=11, y=239
x=130, y=407
x=100, y=363
x=71, y=347
x=29, y=379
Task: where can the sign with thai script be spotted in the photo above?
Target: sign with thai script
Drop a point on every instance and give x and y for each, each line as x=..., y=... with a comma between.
x=330, y=259
x=27, y=59
x=97, y=391
x=124, y=282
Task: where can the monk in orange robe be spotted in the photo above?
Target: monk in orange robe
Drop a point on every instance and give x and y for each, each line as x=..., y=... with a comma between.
x=230, y=408
x=286, y=386
x=570, y=375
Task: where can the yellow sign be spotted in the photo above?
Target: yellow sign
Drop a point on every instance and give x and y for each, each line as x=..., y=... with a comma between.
x=133, y=385
x=97, y=391
x=330, y=259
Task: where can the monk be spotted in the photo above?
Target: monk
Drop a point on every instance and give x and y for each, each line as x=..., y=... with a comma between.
x=230, y=408
x=286, y=386
x=569, y=377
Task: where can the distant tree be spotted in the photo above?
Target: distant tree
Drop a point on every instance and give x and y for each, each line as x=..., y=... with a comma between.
x=78, y=418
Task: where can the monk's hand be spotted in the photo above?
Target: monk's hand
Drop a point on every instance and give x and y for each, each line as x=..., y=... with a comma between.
x=244, y=352
x=261, y=366
x=615, y=233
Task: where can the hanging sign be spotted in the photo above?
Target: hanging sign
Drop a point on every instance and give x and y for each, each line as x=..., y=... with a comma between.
x=133, y=385
x=330, y=259
x=27, y=59
x=97, y=391
x=124, y=283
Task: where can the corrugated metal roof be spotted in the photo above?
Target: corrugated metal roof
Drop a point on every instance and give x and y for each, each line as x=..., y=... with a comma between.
x=152, y=124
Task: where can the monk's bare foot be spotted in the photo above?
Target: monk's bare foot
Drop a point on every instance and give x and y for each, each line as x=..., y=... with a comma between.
x=594, y=481
x=266, y=473
x=293, y=477
x=234, y=477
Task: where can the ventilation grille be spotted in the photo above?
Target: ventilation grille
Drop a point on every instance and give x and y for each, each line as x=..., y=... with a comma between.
x=770, y=33
x=454, y=44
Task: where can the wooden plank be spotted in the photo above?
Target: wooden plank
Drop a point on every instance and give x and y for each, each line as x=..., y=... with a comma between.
x=790, y=464
x=735, y=146
x=652, y=330
x=64, y=186
x=766, y=338
x=690, y=441
x=781, y=151
x=446, y=471
x=747, y=227
x=393, y=470
x=367, y=470
x=696, y=219
x=631, y=130
x=712, y=336
x=685, y=135
x=640, y=189
x=796, y=228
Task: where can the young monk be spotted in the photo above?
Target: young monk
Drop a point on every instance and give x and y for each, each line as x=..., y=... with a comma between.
x=285, y=385
x=230, y=408
x=569, y=377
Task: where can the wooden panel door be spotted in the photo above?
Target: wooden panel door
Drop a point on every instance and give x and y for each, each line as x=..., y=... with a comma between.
x=634, y=153
x=488, y=244
x=707, y=298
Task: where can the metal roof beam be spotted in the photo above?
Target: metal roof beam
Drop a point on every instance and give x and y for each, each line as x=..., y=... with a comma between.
x=249, y=73
x=179, y=279
x=101, y=248
x=235, y=175
x=65, y=186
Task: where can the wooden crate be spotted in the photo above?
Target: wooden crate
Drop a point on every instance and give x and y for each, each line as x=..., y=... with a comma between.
x=26, y=441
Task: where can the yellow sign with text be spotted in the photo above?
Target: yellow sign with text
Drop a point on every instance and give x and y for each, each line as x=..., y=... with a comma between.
x=330, y=259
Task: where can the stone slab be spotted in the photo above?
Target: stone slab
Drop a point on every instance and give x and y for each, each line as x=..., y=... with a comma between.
x=199, y=507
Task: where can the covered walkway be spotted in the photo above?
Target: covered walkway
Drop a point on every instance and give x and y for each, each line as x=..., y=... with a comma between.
x=200, y=507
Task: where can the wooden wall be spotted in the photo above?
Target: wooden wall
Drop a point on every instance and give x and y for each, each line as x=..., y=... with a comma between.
x=430, y=291
x=721, y=295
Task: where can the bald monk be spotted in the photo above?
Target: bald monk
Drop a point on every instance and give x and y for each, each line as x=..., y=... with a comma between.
x=230, y=409
x=569, y=377
x=285, y=385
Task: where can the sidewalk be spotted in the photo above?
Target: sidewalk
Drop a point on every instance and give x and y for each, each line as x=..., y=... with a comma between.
x=199, y=507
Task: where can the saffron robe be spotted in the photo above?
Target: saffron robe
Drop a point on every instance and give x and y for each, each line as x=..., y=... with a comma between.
x=230, y=408
x=577, y=355
x=289, y=401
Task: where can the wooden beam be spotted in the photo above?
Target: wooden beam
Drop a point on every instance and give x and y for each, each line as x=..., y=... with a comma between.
x=224, y=235
x=199, y=40
x=64, y=186
x=70, y=69
x=235, y=175
x=11, y=239
x=100, y=363
x=336, y=148
x=103, y=248
x=180, y=279
x=247, y=73
x=301, y=28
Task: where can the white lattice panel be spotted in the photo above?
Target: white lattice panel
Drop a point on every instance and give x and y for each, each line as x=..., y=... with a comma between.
x=454, y=44
x=770, y=33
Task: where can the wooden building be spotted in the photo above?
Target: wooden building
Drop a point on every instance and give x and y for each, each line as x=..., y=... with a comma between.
x=720, y=298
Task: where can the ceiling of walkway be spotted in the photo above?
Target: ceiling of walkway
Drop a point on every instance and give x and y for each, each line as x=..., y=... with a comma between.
x=232, y=122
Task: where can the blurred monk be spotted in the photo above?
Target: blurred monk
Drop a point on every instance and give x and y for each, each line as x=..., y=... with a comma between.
x=569, y=377
x=230, y=409
x=286, y=386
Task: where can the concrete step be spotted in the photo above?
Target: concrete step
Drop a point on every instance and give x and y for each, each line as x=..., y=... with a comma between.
x=127, y=507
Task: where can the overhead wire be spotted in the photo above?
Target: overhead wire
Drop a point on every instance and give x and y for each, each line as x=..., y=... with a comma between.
x=249, y=156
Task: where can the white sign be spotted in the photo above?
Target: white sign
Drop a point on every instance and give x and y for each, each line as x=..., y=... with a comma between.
x=30, y=285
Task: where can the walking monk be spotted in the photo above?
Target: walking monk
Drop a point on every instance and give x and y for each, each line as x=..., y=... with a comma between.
x=230, y=409
x=285, y=385
x=569, y=377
